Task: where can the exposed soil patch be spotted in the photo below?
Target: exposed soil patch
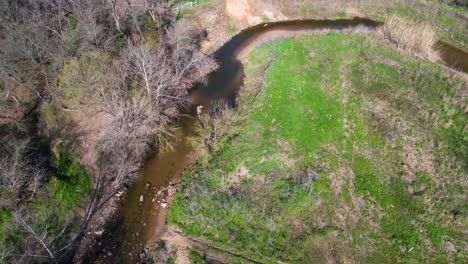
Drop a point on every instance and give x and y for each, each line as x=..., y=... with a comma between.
x=239, y=10
x=182, y=245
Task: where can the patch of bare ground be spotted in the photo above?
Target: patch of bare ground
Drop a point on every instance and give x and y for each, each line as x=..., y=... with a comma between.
x=176, y=243
x=239, y=10
x=16, y=101
x=92, y=125
x=249, y=12
x=222, y=19
x=211, y=18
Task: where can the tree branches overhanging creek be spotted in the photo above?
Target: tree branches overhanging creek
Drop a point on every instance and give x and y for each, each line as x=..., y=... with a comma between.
x=65, y=66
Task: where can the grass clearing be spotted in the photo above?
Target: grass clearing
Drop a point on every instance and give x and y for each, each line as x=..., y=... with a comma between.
x=352, y=152
x=72, y=184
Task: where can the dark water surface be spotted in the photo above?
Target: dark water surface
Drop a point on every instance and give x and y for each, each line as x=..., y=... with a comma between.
x=137, y=223
x=453, y=57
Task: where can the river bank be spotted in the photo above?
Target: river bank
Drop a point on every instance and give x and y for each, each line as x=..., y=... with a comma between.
x=331, y=159
x=225, y=82
x=241, y=53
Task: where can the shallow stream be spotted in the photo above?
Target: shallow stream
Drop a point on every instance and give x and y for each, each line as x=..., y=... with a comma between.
x=140, y=217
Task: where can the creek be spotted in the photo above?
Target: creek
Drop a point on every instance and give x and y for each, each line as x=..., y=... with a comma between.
x=140, y=218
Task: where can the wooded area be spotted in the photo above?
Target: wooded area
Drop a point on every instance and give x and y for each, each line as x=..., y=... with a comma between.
x=59, y=59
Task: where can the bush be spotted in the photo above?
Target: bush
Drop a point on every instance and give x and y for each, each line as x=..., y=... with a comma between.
x=211, y=129
x=78, y=79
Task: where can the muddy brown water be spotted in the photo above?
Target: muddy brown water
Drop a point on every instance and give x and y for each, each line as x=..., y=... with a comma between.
x=453, y=57
x=140, y=218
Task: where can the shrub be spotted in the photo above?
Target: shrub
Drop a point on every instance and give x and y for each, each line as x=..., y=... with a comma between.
x=78, y=79
x=212, y=128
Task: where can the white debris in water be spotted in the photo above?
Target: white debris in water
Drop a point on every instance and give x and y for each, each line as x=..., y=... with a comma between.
x=164, y=205
x=100, y=232
x=199, y=109
x=141, y=198
x=153, y=200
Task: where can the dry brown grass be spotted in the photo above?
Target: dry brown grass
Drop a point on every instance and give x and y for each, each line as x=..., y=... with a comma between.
x=413, y=37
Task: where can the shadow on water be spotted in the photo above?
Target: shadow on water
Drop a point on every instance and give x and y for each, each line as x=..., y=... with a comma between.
x=140, y=218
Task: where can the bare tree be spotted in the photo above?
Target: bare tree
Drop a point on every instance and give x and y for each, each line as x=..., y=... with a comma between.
x=188, y=62
x=31, y=33
x=87, y=34
x=119, y=163
x=160, y=11
x=43, y=236
x=115, y=12
x=144, y=64
x=19, y=178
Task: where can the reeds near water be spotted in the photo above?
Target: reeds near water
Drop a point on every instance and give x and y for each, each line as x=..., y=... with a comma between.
x=413, y=37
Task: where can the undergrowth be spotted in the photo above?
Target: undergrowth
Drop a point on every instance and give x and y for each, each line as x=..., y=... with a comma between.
x=72, y=183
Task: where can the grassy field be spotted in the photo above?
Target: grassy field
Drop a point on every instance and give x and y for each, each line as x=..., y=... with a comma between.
x=352, y=151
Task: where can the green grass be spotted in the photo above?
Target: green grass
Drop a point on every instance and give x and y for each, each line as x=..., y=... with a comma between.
x=54, y=213
x=195, y=258
x=72, y=183
x=346, y=154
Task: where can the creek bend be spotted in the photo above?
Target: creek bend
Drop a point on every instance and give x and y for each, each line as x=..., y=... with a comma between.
x=140, y=218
